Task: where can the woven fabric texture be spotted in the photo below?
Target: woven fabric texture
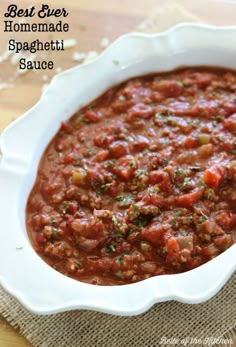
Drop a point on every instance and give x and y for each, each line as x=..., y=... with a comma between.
x=212, y=323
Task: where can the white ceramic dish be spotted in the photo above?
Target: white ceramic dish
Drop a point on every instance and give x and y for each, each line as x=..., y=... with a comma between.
x=23, y=273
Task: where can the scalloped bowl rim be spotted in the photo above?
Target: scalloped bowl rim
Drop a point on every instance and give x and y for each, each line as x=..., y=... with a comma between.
x=49, y=291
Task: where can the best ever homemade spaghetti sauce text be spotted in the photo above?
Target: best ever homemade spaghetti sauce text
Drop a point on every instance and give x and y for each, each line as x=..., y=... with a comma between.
x=142, y=182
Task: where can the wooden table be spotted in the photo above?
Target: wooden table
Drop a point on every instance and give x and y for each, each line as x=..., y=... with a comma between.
x=90, y=21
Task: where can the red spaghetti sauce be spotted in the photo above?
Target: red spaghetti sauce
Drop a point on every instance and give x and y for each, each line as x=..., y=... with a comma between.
x=142, y=182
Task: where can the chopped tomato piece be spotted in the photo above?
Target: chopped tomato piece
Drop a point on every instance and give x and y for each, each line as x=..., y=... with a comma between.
x=67, y=127
x=185, y=242
x=203, y=79
x=141, y=142
x=226, y=219
x=230, y=123
x=172, y=245
x=156, y=96
x=101, y=156
x=155, y=176
x=103, y=140
x=169, y=87
x=190, y=142
x=69, y=157
x=153, y=233
x=223, y=242
x=40, y=238
x=210, y=251
x=92, y=116
x=140, y=110
x=213, y=176
x=188, y=200
x=118, y=149
x=125, y=167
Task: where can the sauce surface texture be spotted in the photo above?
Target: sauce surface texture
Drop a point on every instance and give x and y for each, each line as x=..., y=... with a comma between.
x=141, y=182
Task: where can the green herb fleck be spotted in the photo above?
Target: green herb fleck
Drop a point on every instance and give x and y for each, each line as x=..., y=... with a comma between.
x=64, y=208
x=177, y=214
x=78, y=264
x=202, y=183
x=114, y=220
x=141, y=222
x=136, y=209
x=145, y=151
x=200, y=227
x=110, y=249
x=55, y=230
x=219, y=117
x=125, y=200
x=118, y=273
x=140, y=172
x=109, y=163
x=179, y=172
x=77, y=160
x=154, y=166
x=186, y=182
x=103, y=137
x=132, y=164
x=165, y=162
x=126, y=252
x=115, y=225
x=209, y=193
x=120, y=261
x=104, y=188
x=85, y=120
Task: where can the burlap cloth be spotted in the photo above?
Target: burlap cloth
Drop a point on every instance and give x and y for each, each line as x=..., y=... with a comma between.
x=166, y=324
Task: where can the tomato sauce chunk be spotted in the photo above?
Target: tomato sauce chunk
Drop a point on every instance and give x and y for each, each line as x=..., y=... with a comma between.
x=142, y=181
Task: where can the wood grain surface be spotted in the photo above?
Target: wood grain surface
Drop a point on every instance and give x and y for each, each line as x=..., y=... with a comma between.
x=90, y=21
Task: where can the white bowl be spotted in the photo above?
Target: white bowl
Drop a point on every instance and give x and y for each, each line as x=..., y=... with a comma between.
x=23, y=274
